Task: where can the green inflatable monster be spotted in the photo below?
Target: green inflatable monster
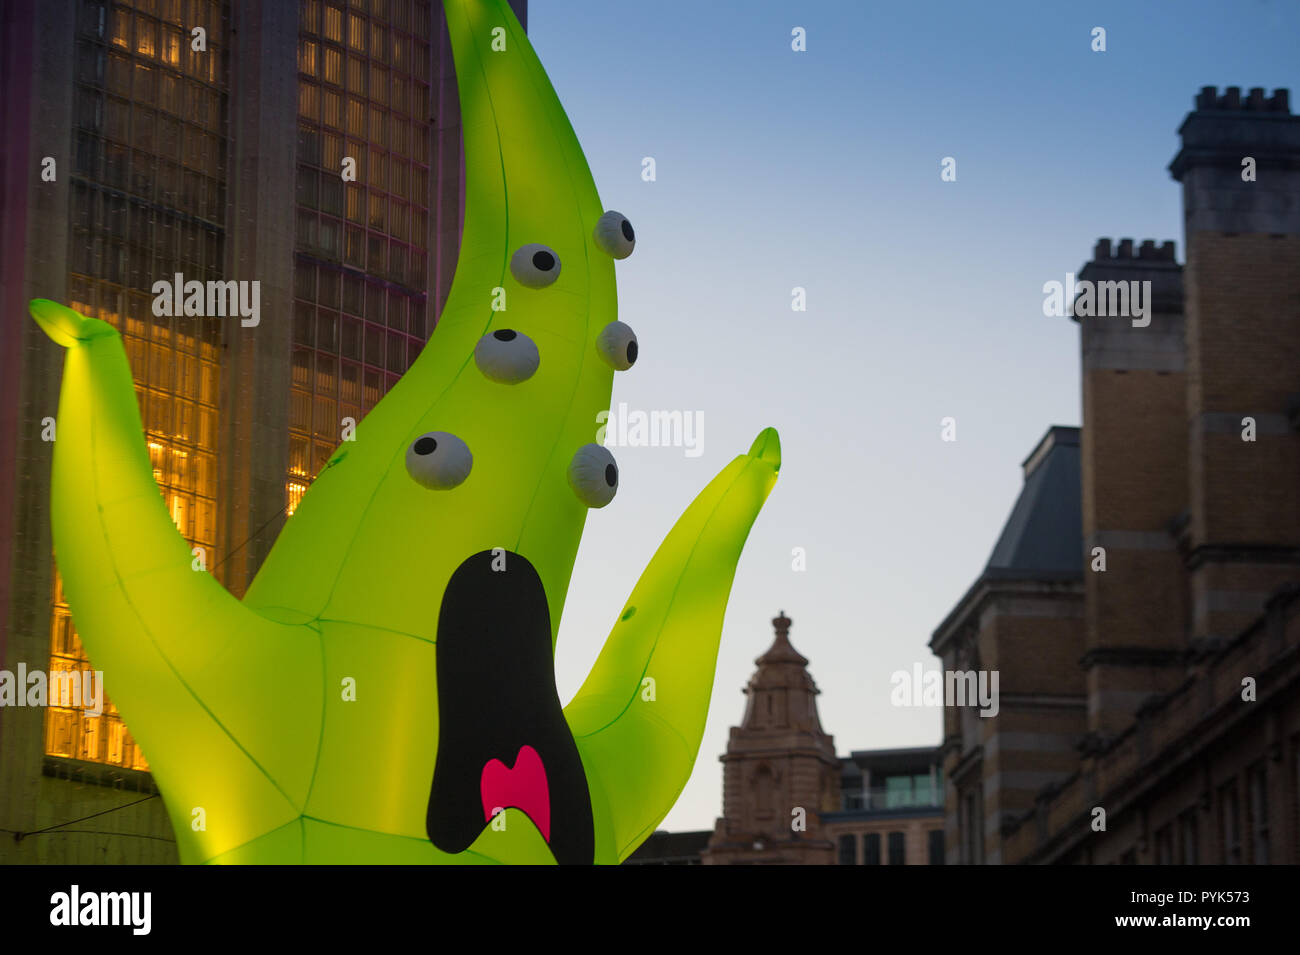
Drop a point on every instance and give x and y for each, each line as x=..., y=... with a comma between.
x=386, y=692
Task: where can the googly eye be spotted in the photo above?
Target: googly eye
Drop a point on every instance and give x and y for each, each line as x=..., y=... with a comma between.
x=617, y=345
x=438, y=460
x=614, y=235
x=535, y=265
x=507, y=356
x=593, y=475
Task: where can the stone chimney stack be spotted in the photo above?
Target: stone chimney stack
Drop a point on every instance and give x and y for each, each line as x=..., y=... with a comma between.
x=1239, y=166
x=1134, y=472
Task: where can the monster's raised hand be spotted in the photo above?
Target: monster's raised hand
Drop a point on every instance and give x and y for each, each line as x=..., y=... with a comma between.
x=427, y=565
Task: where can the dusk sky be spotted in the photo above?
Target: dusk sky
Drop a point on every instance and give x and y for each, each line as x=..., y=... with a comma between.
x=821, y=169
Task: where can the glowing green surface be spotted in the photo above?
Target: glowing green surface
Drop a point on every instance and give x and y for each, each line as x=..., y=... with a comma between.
x=239, y=705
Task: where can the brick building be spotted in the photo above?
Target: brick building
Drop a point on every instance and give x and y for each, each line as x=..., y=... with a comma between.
x=1153, y=674
x=789, y=800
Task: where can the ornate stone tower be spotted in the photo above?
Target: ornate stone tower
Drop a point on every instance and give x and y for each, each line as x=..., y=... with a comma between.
x=780, y=770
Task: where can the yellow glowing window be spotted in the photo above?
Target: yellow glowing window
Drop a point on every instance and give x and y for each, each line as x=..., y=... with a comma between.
x=119, y=33
x=307, y=57
x=146, y=36
x=171, y=48
x=334, y=24
x=308, y=101
x=333, y=115
x=333, y=149
x=71, y=728
x=298, y=451
x=295, y=489
x=356, y=118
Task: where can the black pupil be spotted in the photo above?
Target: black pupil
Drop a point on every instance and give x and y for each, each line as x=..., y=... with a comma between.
x=504, y=335
x=627, y=231
x=544, y=261
x=426, y=445
x=611, y=475
x=631, y=353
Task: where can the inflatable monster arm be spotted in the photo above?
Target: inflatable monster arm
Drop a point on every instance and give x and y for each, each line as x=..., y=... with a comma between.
x=198, y=672
x=640, y=715
x=385, y=692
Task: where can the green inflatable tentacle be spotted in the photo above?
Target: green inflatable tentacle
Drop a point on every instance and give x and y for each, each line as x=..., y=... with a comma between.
x=173, y=639
x=640, y=715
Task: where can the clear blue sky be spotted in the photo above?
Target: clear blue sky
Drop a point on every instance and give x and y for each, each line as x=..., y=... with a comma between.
x=821, y=169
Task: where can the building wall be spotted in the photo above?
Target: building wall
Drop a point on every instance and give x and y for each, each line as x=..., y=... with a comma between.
x=915, y=833
x=1193, y=661
x=1032, y=634
x=1175, y=769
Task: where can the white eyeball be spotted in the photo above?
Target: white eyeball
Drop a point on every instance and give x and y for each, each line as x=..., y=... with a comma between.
x=593, y=475
x=507, y=356
x=614, y=235
x=617, y=345
x=438, y=460
x=535, y=265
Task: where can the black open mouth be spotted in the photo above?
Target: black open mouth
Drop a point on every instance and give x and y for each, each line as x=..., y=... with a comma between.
x=503, y=741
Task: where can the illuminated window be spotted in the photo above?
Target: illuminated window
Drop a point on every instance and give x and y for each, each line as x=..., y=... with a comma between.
x=309, y=101
x=307, y=57
x=146, y=36
x=119, y=31
x=333, y=116
x=170, y=52
x=333, y=28
x=333, y=66
x=296, y=489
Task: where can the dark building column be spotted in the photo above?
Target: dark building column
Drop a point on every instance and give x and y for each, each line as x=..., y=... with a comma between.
x=260, y=243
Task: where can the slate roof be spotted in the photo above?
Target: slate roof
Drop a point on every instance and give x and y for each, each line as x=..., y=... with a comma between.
x=1043, y=536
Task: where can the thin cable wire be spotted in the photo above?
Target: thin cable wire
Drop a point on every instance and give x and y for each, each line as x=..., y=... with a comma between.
x=102, y=812
x=279, y=513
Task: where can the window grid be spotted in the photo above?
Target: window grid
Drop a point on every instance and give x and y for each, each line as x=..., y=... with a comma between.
x=360, y=275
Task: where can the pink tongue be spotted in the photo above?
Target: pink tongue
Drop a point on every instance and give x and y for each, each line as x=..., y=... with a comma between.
x=522, y=786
